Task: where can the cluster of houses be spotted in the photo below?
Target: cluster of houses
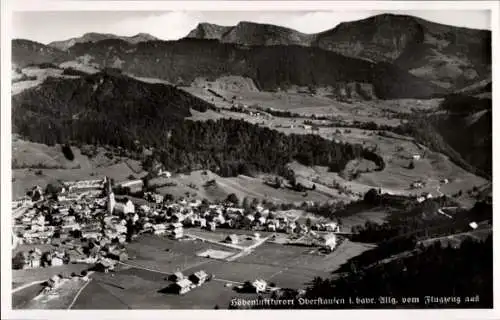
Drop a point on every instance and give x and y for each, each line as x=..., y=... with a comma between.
x=182, y=285
x=85, y=222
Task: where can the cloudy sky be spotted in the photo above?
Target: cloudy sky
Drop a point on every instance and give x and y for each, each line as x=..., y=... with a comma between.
x=49, y=26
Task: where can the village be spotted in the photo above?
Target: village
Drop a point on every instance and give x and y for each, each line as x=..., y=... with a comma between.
x=84, y=222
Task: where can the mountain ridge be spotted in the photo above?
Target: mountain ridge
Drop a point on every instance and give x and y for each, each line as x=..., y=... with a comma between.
x=95, y=37
x=447, y=55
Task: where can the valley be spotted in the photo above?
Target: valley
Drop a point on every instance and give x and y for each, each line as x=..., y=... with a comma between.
x=251, y=161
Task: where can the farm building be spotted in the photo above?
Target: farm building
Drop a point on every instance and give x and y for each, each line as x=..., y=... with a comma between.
x=182, y=286
x=211, y=226
x=85, y=185
x=105, y=265
x=259, y=285
x=199, y=277
x=132, y=184
x=232, y=239
x=57, y=259
x=54, y=282
x=332, y=227
x=178, y=233
x=177, y=276
x=271, y=227
x=125, y=207
x=34, y=259
x=291, y=228
x=162, y=173
x=328, y=241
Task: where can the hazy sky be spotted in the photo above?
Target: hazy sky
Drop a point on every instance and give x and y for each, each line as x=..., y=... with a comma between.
x=47, y=26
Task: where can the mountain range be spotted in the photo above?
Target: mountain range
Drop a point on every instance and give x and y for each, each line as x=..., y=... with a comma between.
x=446, y=55
x=95, y=37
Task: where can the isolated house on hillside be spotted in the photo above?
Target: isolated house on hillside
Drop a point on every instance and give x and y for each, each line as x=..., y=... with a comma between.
x=328, y=241
x=290, y=228
x=34, y=259
x=211, y=226
x=182, y=286
x=259, y=285
x=332, y=227
x=199, y=277
x=177, y=276
x=57, y=259
x=232, y=239
x=271, y=227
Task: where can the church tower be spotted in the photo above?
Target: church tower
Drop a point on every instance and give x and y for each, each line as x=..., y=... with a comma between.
x=111, y=198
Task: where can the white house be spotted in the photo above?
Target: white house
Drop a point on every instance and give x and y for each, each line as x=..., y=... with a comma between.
x=57, y=259
x=416, y=157
x=232, y=239
x=199, y=277
x=332, y=227
x=211, y=226
x=165, y=174
x=125, y=208
x=183, y=286
x=328, y=241
x=259, y=285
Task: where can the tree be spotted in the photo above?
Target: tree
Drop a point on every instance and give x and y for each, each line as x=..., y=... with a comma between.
x=68, y=153
x=54, y=188
x=246, y=203
x=371, y=196
x=411, y=166
x=18, y=261
x=233, y=198
x=308, y=222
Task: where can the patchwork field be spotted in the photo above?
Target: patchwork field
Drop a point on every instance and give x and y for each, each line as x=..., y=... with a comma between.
x=42, y=274
x=39, y=164
x=195, y=184
x=142, y=281
x=59, y=298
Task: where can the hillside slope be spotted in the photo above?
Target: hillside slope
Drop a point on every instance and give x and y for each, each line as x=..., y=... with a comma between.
x=26, y=52
x=271, y=67
x=103, y=108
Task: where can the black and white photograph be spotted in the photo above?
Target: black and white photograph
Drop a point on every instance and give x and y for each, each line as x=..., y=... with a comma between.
x=217, y=157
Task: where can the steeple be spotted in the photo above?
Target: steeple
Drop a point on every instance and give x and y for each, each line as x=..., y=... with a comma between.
x=111, y=198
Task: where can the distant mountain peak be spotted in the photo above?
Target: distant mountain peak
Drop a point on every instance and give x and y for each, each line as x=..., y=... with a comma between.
x=95, y=37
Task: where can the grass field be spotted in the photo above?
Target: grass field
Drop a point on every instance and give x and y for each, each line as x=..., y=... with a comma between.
x=242, y=186
x=38, y=274
x=59, y=298
x=23, y=297
x=142, y=287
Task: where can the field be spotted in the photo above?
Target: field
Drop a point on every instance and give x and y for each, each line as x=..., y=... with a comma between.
x=214, y=254
x=60, y=298
x=243, y=186
x=23, y=297
x=29, y=157
x=397, y=150
x=42, y=274
x=142, y=281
